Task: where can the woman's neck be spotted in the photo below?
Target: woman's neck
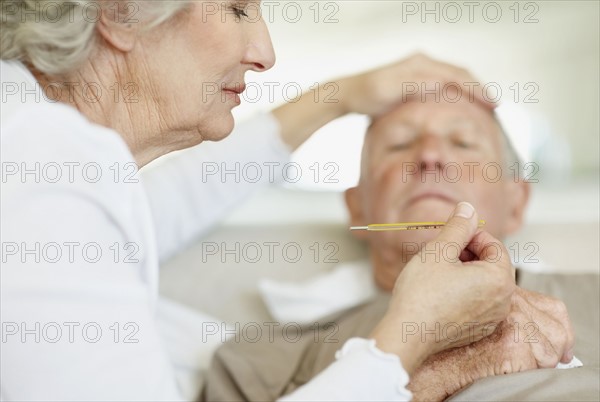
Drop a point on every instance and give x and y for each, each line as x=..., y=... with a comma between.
x=106, y=97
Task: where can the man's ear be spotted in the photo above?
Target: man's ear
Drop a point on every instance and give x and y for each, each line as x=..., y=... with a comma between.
x=354, y=206
x=518, y=199
x=116, y=29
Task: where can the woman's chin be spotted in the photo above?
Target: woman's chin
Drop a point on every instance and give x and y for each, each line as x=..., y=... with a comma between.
x=222, y=128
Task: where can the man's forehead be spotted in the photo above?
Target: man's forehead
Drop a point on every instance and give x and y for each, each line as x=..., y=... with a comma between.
x=415, y=114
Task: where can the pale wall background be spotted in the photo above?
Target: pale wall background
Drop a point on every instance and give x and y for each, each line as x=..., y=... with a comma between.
x=553, y=44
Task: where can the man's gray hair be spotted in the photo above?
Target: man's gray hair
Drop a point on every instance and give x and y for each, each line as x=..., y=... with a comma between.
x=56, y=36
x=510, y=155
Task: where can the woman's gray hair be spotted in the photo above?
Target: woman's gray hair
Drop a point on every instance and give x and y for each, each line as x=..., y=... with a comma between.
x=56, y=36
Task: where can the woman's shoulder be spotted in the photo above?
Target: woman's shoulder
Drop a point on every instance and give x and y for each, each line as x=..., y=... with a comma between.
x=41, y=131
x=52, y=150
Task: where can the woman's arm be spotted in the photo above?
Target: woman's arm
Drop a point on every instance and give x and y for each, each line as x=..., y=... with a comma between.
x=372, y=93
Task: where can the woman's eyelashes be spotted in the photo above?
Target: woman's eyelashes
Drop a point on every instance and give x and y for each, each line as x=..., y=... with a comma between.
x=239, y=9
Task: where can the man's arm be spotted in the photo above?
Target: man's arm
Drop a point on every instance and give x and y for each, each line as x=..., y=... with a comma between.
x=446, y=373
x=536, y=334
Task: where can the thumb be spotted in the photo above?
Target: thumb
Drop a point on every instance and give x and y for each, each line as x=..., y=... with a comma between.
x=461, y=225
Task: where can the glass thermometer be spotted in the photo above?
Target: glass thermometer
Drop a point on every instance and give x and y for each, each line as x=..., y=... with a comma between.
x=380, y=227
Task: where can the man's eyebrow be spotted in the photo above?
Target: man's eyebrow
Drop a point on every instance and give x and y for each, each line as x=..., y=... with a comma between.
x=462, y=122
x=391, y=128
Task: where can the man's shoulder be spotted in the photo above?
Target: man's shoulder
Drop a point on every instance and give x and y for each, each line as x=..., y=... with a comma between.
x=287, y=357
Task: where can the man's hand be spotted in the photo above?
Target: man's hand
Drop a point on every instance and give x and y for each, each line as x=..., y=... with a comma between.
x=375, y=92
x=554, y=337
x=536, y=334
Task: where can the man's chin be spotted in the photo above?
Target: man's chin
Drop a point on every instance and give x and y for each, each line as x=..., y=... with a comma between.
x=429, y=210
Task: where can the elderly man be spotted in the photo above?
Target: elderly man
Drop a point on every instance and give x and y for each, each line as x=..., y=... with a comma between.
x=418, y=161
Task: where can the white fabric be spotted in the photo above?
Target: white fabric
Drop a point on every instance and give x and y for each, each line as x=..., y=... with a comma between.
x=385, y=374
x=80, y=256
x=190, y=339
x=574, y=363
x=346, y=286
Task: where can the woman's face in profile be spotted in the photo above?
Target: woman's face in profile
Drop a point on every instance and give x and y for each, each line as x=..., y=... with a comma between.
x=197, y=62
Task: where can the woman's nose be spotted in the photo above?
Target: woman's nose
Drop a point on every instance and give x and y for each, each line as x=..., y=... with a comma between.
x=259, y=53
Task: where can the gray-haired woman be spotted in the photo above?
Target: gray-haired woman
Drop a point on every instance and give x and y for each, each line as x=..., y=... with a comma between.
x=93, y=90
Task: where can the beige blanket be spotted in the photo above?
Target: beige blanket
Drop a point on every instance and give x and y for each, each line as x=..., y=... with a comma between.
x=269, y=368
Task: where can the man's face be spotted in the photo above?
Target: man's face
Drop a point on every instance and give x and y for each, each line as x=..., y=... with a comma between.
x=420, y=160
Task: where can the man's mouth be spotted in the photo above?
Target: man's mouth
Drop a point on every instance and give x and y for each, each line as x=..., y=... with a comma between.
x=432, y=195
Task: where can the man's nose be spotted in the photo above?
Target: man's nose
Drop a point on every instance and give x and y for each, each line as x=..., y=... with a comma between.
x=431, y=152
x=260, y=55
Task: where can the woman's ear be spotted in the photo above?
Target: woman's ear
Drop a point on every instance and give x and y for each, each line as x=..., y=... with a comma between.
x=518, y=199
x=354, y=206
x=116, y=28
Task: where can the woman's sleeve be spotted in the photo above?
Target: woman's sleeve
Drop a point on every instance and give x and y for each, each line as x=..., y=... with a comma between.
x=78, y=321
x=361, y=372
x=192, y=190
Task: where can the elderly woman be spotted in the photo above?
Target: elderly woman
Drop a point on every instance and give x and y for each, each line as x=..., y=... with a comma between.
x=91, y=91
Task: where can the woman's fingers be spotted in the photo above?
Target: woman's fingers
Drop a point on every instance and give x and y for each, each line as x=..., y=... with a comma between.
x=446, y=73
x=489, y=249
x=461, y=226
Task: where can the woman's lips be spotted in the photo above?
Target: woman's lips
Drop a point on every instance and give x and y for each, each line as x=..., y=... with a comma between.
x=238, y=88
x=234, y=92
x=233, y=95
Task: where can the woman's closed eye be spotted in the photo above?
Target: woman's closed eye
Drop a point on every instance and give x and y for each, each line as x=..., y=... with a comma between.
x=239, y=10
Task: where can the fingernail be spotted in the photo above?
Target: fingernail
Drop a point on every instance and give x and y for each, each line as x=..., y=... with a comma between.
x=464, y=210
x=570, y=355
